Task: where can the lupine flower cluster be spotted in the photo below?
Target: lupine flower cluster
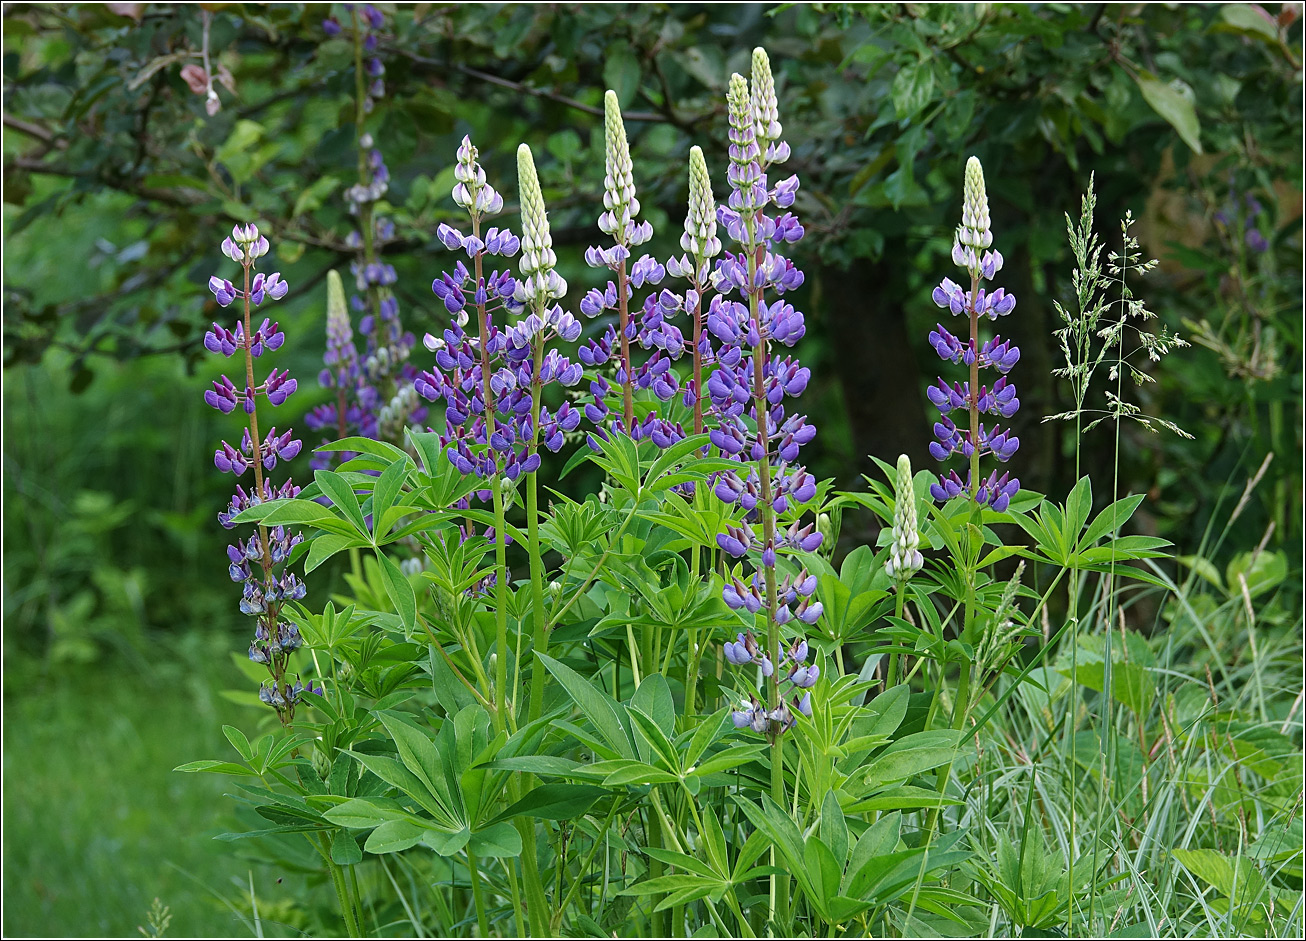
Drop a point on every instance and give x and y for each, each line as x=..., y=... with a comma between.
x=490, y=380
x=701, y=245
x=748, y=388
x=971, y=251
x=375, y=396
x=754, y=714
x=258, y=563
x=648, y=324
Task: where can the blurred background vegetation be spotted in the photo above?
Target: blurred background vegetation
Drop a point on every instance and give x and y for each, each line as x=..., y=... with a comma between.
x=119, y=185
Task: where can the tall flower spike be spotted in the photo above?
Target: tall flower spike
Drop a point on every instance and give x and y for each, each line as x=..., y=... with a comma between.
x=973, y=442
x=260, y=562
x=904, y=554
x=620, y=206
x=539, y=283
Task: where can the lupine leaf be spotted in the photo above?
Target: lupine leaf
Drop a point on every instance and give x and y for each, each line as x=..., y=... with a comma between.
x=598, y=708
x=399, y=589
x=343, y=496
x=554, y=802
x=394, y=836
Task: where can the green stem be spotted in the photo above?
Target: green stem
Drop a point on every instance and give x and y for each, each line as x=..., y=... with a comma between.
x=501, y=619
x=891, y=676
x=338, y=881
x=473, y=873
x=600, y=840
x=779, y=889
x=538, y=615
x=974, y=390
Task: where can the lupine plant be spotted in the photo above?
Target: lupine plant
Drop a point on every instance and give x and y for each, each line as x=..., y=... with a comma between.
x=682, y=718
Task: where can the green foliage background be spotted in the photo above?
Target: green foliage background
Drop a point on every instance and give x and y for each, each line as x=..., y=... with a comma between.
x=118, y=188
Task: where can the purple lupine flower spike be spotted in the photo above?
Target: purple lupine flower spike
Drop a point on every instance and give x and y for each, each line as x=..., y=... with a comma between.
x=259, y=562
x=972, y=251
x=748, y=389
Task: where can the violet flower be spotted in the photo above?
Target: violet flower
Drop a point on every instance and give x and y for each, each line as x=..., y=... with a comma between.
x=374, y=388
x=489, y=380
x=971, y=251
x=649, y=324
x=749, y=386
x=259, y=562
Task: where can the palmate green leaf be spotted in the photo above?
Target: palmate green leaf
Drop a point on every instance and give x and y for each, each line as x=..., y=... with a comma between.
x=539, y=764
x=394, y=836
x=909, y=756
x=653, y=698
x=345, y=850
x=902, y=797
x=656, y=739
x=238, y=741
x=1079, y=503
x=362, y=813
x=1111, y=519
x=328, y=544
x=779, y=828
x=384, y=493
x=296, y=512
x=680, y=888
x=446, y=842
x=214, y=767
x=382, y=449
x=834, y=828
x=705, y=735
x=683, y=861
x=623, y=771
x=824, y=872
x=395, y=774
x=420, y=757
x=731, y=757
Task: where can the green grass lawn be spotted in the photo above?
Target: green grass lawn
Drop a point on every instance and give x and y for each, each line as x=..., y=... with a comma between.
x=97, y=824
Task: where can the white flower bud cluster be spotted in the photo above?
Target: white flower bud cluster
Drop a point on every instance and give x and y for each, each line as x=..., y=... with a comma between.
x=700, y=239
x=394, y=414
x=539, y=283
x=765, y=107
x=472, y=192
x=620, y=205
x=904, y=554
x=975, y=231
